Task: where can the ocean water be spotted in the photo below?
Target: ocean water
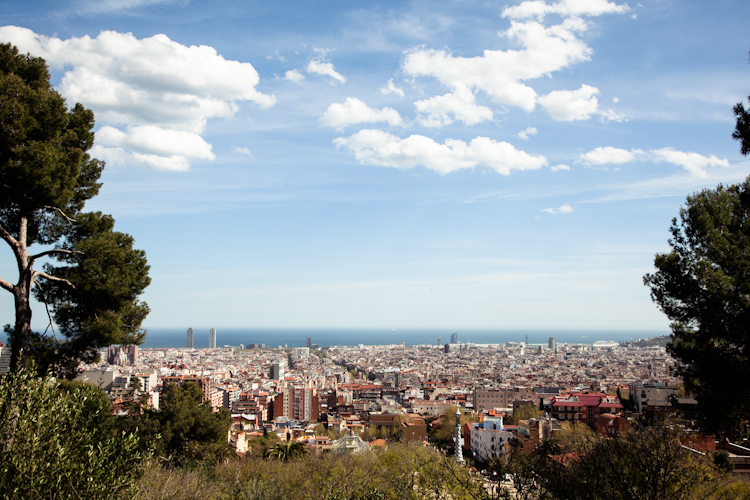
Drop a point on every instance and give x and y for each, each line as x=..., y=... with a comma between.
x=290, y=337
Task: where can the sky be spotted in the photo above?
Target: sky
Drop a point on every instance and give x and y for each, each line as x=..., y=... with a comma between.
x=411, y=164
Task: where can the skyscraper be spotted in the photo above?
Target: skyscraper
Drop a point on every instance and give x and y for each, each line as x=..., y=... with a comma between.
x=190, y=338
x=309, y=341
x=551, y=344
x=212, y=338
x=454, y=338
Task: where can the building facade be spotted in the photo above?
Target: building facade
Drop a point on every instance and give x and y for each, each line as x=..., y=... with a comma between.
x=212, y=338
x=190, y=338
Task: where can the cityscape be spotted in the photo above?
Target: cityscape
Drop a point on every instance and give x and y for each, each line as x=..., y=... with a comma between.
x=385, y=250
x=291, y=391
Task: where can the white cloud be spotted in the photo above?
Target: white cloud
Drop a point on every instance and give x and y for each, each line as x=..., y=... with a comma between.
x=152, y=84
x=571, y=105
x=559, y=168
x=609, y=115
x=610, y=155
x=436, y=111
x=376, y=147
x=325, y=69
x=692, y=162
x=615, y=99
x=243, y=151
x=276, y=55
x=526, y=134
x=562, y=209
x=294, y=76
x=354, y=111
x=391, y=88
x=150, y=139
x=565, y=8
x=499, y=73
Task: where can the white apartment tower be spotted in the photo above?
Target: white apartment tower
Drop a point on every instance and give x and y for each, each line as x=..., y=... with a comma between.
x=190, y=338
x=212, y=338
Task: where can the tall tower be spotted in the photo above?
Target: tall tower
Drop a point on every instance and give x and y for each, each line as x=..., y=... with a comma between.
x=309, y=341
x=212, y=338
x=551, y=344
x=527, y=340
x=458, y=441
x=454, y=338
x=190, y=338
x=439, y=339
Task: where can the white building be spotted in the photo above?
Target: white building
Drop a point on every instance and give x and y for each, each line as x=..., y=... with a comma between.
x=212, y=338
x=488, y=439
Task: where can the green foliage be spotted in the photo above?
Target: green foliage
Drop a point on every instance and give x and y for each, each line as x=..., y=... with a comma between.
x=58, y=440
x=285, y=451
x=703, y=286
x=576, y=438
x=46, y=176
x=186, y=431
x=523, y=412
x=645, y=463
x=399, y=472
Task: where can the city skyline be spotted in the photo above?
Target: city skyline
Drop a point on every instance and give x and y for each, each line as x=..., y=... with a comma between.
x=400, y=164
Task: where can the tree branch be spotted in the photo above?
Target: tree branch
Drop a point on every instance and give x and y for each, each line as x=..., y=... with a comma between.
x=4, y=284
x=49, y=316
x=52, y=278
x=4, y=234
x=53, y=251
x=59, y=211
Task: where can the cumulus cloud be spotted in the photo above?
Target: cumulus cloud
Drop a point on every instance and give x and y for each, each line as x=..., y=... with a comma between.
x=325, y=69
x=562, y=209
x=294, y=76
x=692, y=162
x=500, y=73
x=437, y=111
x=152, y=89
x=571, y=105
x=353, y=111
x=525, y=135
x=609, y=155
x=559, y=168
x=376, y=147
x=391, y=88
x=565, y=8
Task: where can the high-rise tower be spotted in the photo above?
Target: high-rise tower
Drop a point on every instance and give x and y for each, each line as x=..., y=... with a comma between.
x=212, y=338
x=190, y=338
x=454, y=338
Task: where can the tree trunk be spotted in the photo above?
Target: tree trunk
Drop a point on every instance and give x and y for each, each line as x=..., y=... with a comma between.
x=22, y=332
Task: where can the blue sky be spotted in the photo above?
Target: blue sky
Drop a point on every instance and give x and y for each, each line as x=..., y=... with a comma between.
x=438, y=163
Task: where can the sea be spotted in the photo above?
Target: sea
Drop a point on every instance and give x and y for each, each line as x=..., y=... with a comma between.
x=326, y=337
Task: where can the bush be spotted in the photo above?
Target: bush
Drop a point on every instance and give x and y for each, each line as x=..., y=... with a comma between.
x=60, y=441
